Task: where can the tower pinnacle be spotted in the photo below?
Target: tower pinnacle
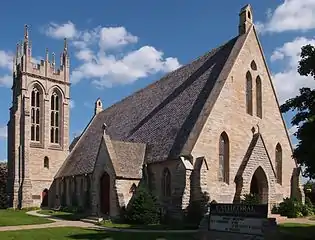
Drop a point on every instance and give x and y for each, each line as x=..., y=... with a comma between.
x=26, y=32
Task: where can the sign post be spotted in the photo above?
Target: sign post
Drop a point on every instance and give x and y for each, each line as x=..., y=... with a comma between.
x=239, y=221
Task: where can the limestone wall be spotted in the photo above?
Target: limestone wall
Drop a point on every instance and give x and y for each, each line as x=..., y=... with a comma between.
x=229, y=115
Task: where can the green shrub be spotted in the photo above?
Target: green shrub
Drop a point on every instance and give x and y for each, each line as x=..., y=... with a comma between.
x=291, y=208
x=307, y=210
x=142, y=208
x=251, y=199
x=275, y=209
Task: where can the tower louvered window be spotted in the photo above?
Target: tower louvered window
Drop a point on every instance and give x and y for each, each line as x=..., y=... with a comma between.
x=55, y=118
x=35, y=115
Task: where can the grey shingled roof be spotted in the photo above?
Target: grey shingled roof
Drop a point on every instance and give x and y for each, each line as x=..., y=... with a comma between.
x=162, y=115
x=73, y=143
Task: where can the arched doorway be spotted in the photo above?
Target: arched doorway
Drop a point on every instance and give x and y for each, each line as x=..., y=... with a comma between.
x=45, y=198
x=259, y=185
x=104, y=193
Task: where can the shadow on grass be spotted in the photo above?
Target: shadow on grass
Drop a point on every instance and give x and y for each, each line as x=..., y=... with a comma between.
x=290, y=231
x=63, y=215
x=101, y=234
x=148, y=227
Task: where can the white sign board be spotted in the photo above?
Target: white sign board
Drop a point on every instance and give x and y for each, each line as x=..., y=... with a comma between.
x=242, y=225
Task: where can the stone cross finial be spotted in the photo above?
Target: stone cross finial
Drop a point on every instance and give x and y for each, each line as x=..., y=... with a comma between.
x=53, y=59
x=47, y=55
x=25, y=31
x=65, y=45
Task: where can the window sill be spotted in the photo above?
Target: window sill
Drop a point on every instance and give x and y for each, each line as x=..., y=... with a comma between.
x=55, y=147
x=36, y=145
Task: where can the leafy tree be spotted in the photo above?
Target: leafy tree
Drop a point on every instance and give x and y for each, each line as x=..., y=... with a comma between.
x=3, y=184
x=304, y=105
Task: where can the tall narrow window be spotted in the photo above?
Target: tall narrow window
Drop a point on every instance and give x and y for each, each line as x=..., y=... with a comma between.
x=249, y=94
x=35, y=114
x=46, y=162
x=166, y=183
x=224, y=150
x=54, y=118
x=258, y=97
x=279, y=163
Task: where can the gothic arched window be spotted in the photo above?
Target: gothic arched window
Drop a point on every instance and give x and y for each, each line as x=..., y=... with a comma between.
x=258, y=97
x=55, y=118
x=224, y=151
x=166, y=183
x=35, y=114
x=249, y=94
x=279, y=163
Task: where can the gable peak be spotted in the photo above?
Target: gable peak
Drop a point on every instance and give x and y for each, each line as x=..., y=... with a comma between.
x=246, y=19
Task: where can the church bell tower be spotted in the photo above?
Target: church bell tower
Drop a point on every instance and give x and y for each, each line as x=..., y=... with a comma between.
x=38, y=128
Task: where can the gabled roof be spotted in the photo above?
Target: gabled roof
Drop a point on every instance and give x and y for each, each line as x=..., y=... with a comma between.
x=253, y=144
x=161, y=115
x=129, y=159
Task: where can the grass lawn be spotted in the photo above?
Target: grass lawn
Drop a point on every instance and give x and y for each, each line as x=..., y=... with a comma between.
x=63, y=215
x=9, y=217
x=78, y=233
x=290, y=231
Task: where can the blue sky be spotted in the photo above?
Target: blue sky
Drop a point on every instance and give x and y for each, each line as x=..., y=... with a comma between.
x=117, y=47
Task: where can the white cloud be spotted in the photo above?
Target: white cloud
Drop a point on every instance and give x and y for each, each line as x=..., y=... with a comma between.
x=104, y=62
x=3, y=132
x=6, y=63
x=59, y=31
x=291, y=15
x=6, y=81
x=292, y=130
x=72, y=103
x=3, y=160
x=113, y=37
x=288, y=82
x=6, y=60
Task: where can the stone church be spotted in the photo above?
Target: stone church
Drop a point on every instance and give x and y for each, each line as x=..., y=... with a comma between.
x=212, y=127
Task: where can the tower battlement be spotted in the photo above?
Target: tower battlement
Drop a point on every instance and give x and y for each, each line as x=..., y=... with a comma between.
x=24, y=64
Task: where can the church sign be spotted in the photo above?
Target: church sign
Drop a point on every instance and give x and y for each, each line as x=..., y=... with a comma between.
x=238, y=218
x=239, y=210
